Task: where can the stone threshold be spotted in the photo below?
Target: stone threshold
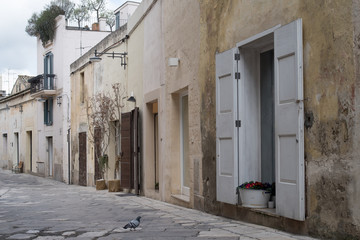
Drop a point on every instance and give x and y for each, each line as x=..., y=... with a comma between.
x=180, y=197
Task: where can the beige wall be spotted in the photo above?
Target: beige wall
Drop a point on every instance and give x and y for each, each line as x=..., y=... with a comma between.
x=99, y=77
x=171, y=31
x=182, y=40
x=17, y=116
x=79, y=121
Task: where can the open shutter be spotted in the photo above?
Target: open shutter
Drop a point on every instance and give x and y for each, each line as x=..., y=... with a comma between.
x=51, y=69
x=45, y=72
x=289, y=114
x=226, y=133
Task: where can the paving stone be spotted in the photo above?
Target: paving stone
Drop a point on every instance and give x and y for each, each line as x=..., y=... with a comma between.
x=217, y=232
x=116, y=236
x=93, y=234
x=21, y=236
x=63, y=211
x=270, y=236
x=50, y=238
x=69, y=233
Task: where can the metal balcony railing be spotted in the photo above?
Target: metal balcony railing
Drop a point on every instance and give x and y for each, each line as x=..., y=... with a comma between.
x=42, y=82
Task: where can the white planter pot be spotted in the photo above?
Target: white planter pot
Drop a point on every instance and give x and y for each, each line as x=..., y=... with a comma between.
x=254, y=198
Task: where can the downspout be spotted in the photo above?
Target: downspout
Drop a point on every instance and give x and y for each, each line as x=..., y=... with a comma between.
x=69, y=168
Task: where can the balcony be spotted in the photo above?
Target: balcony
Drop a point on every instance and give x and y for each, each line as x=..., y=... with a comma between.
x=42, y=85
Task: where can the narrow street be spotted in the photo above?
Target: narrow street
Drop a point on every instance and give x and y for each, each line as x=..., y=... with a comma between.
x=37, y=208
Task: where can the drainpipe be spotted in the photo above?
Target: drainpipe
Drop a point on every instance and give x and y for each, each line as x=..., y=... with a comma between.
x=69, y=168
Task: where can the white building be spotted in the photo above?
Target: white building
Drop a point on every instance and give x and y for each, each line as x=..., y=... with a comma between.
x=123, y=13
x=52, y=90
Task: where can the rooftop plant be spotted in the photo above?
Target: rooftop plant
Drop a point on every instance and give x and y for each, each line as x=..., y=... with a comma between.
x=44, y=24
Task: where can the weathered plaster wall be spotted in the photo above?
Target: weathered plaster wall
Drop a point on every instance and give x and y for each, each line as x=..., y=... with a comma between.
x=153, y=79
x=181, y=39
x=98, y=78
x=171, y=31
x=330, y=92
x=79, y=121
x=66, y=48
x=17, y=116
x=106, y=73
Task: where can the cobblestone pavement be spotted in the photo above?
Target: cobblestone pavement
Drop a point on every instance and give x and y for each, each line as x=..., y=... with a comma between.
x=38, y=208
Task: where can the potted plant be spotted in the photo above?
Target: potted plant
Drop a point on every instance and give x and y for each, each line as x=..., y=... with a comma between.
x=254, y=194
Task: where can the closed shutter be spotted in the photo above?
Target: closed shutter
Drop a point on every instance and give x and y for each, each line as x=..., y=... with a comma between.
x=45, y=112
x=51, y=68
x=50, y=117
x=289, y=132
x=226, y=132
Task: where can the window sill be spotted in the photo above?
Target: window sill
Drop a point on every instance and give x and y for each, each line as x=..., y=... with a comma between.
x=180, y=197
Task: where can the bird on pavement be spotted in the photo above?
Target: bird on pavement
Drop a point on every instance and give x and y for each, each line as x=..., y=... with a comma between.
x=133, y=223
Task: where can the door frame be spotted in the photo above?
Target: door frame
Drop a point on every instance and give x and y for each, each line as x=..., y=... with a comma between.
x=50, y=157
x=185, y=190
x=17, y=142
x=287, y=38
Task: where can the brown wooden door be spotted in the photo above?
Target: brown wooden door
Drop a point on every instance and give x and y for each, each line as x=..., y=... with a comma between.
x=135, y=149
x=97, y=133
x=126, y=176
x=82, y=159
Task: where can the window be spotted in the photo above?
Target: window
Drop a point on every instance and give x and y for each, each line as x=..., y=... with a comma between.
x=5, y=144
x=49, y=71
x=262, y=78
x=82, y=93
x=48, y=112
x=117, y=19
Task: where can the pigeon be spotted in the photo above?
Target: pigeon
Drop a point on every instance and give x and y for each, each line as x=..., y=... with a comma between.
x=133, y=223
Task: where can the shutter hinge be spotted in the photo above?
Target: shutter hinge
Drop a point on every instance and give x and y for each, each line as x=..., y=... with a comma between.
x=237, y=123
x=237, y=56
x=237, y=75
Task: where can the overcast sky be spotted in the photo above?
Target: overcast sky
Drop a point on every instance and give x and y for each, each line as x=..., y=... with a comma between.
x=17, y=48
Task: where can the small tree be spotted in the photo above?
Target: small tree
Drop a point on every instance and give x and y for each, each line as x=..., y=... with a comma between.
x=81, y=13
x=66, y=5
x=98, y=6
x=102, y=110
x=110, y=19
x=100, y=113
x=44, y=24
x=119, y=92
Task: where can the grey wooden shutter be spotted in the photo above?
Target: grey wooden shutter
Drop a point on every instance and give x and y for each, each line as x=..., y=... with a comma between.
x=289, y=111
x=45, y=82
x=51, y=79
x=50, y=117
x=226, y=136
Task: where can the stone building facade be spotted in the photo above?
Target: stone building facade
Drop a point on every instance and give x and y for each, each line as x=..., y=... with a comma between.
x=233, y=91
